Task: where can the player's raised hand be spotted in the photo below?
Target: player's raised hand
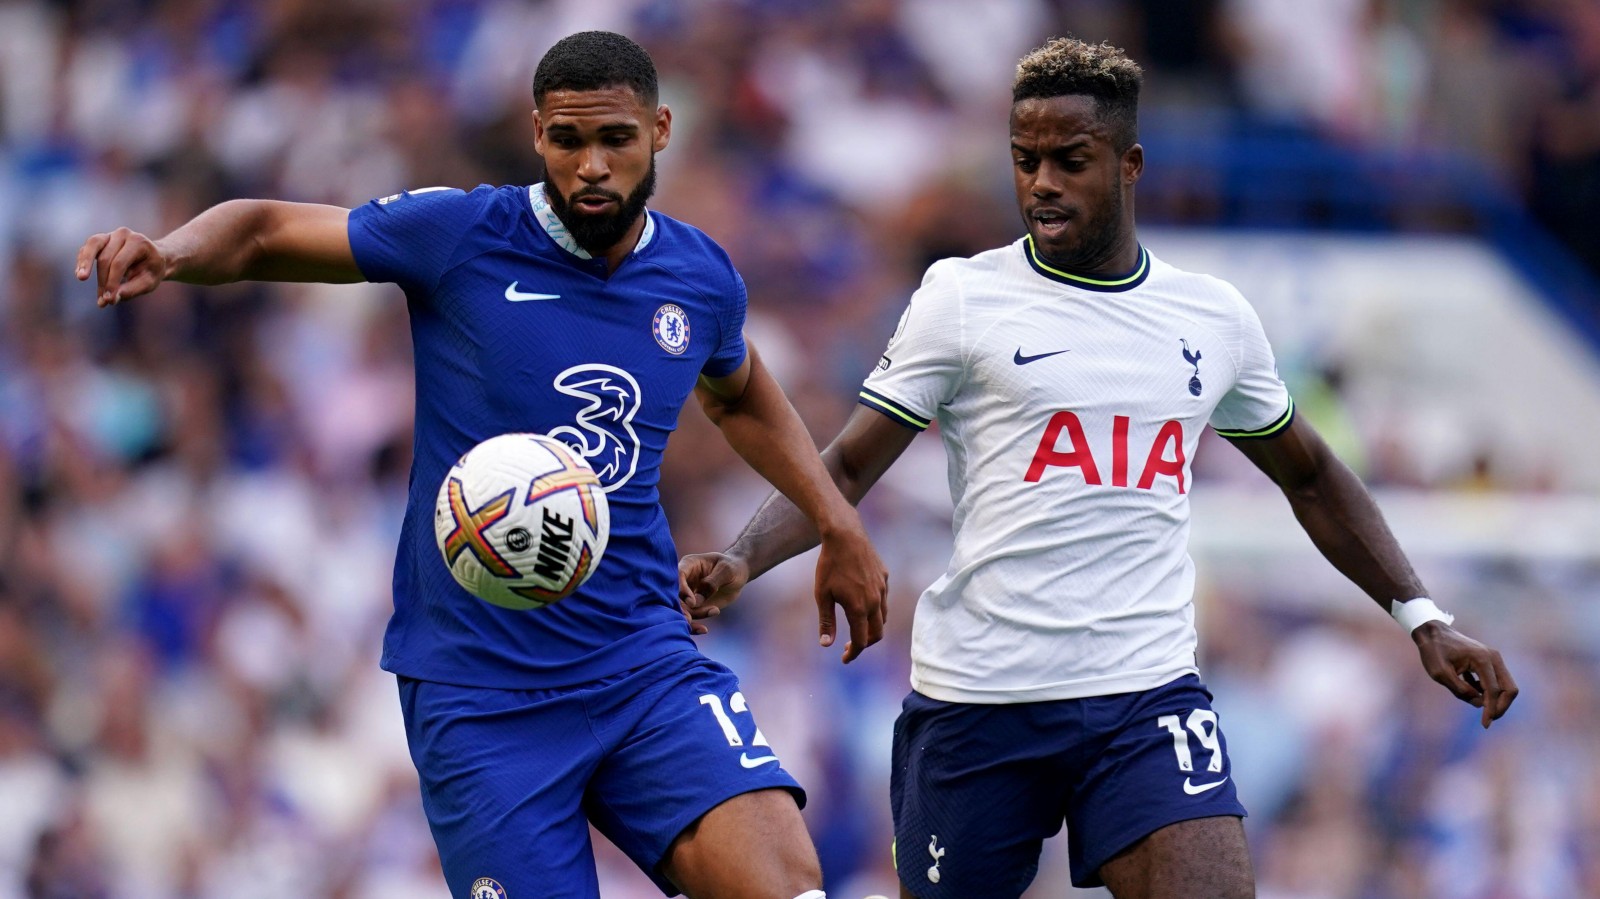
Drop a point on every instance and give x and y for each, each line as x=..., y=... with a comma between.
x=850, y=575
x=126, y=263
x=709, y=583
x=1469, y=669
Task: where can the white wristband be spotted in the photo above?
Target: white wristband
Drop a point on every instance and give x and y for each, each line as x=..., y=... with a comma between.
x=1413, y=613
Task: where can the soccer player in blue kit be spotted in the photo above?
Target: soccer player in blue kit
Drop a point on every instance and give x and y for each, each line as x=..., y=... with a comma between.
x=565, y=308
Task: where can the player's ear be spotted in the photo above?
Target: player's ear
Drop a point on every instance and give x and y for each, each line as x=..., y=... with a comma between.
x=663, y=130
x=1132, y=164
x=538, y=133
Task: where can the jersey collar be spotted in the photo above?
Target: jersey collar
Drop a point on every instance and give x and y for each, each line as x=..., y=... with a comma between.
x=1089, y=282
x=558, y=232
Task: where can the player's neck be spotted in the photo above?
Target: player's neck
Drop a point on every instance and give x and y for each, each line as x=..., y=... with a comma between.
x=1117, y=258
x=1126, y=257
x=620, y=250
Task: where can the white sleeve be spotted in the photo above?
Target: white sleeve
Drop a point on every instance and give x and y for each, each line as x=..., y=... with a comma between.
x=1259, y=404
x=923, y=365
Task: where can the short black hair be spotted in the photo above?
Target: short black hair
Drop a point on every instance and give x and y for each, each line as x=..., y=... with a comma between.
x=1065, y=66
x=592, y=60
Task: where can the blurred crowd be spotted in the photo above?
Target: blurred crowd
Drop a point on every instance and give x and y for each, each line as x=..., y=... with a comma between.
x=200, y=491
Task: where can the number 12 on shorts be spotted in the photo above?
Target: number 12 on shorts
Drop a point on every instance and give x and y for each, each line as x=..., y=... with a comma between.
x=1203, y=724
x=737, y=704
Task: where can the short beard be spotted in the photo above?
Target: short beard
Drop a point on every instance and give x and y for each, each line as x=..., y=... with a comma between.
x=599, y=232
x=1101, y=238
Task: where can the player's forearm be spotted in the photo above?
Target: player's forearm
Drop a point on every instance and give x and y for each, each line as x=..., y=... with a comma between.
x=218, y=246
x=779, y=531
x=856, y=459
x=260, y=240
x=1347, y=527
x=768, y=434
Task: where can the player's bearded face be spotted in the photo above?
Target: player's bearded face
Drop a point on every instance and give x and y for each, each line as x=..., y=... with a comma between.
x=1070, y=181
x=598, y=232
x=1095, y=237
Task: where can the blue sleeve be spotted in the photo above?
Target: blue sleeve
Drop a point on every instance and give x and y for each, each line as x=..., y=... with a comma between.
x=730, y=351
x=410, y=238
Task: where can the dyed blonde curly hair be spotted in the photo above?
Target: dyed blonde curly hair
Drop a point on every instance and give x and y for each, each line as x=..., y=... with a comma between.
x=1065, y=66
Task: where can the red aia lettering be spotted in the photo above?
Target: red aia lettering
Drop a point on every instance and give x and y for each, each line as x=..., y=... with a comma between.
x=1157, y=463
x=1119, y=451
x=1079, y=456
x=1047, y=455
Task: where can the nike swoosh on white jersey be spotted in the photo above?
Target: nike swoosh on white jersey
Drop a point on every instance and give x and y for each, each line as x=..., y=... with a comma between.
x=748, y=762
x=1193, y=790
x=517, y=296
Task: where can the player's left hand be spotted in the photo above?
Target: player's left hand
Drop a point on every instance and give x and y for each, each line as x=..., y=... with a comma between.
x=850, y=575
x=1469, y=669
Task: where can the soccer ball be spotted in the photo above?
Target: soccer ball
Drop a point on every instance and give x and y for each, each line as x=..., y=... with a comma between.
x=521, y=521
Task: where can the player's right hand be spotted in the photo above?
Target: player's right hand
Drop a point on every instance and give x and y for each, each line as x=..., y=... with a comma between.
x=127, y=264
x=709, y=583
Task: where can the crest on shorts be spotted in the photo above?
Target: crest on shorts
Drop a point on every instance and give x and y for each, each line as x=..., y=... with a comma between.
x=487, y=888
x=671, y=327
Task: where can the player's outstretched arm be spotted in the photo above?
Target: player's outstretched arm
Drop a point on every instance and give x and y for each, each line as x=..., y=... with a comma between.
x=866, y=447
x=761, y=425
x=1339, y=515
x=240, y=240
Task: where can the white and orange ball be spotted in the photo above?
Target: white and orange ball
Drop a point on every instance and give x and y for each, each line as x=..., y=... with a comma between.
x=521, y=521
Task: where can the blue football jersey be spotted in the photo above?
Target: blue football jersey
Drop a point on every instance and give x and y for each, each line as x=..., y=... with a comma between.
x=516, y=328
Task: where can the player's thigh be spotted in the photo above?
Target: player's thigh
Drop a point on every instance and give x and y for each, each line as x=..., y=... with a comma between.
x=490, y=791
x=752, y=846
x=975, y=790
x=1201, y=857
x=693, y=765
x=1163, y=760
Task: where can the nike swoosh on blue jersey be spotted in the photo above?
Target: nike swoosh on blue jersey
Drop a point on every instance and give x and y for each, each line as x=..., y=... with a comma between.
x=1024, y=360
x=517, y=296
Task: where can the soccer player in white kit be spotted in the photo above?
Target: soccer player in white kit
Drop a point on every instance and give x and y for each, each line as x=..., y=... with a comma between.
x=1053, y=664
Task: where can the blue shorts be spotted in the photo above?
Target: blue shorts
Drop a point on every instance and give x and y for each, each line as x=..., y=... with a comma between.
x=511, y=779
x=977, y=789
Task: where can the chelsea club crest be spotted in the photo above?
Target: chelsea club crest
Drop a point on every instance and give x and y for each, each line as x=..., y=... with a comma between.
x=487, y=888
x=671, y=328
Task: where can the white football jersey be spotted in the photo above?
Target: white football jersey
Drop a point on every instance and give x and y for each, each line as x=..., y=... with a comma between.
x=1070, y=409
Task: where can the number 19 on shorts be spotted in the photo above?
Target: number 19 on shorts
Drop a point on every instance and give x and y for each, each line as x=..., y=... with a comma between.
x=1202, y=725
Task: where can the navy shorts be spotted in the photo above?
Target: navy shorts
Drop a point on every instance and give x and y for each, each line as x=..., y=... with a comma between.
x=511, y=779
x=977, y=789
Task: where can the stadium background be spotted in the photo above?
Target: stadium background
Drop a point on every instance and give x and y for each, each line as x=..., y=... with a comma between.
x=200, y=491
